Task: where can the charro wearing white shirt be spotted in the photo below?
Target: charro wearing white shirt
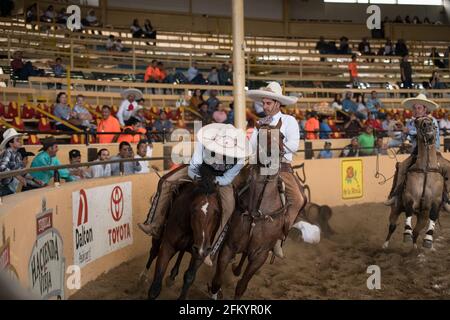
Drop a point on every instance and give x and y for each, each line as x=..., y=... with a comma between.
x=128, y=105
x=272, y=100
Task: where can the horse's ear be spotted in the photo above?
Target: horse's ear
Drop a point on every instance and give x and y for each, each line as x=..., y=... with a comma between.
x=278, y=126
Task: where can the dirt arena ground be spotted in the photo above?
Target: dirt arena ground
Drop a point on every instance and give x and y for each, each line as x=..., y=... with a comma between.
x=334, y=269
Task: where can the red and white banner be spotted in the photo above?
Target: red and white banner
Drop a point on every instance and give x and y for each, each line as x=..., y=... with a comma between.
x=102, y=221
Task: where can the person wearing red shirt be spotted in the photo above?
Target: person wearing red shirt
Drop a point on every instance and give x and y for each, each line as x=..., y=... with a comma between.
x=312, y=126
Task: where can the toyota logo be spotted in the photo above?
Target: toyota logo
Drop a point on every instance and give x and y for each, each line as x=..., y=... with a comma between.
x=117, y=203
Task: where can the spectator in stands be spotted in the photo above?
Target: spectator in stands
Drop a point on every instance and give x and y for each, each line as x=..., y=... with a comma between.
x=230, y=114
x=325, y=130
x=344, y=47
x=444, y=124
x=399, y=19
x=31, y=13
x=58, y=70
x=78, y=173
x=251, y=123
x=388, y=49
x=111, y=43
x=194, y=76
x=176, y=77
x=361, y=110
x=161, y=74
x=374, y=122
x=163, y=124
x=326, y=153
x=447, y=57
x=337, y=102
x=436, y=58
x=17, y=63
x=133, y=132
x=212, y=101
x=322, y=47
x=45, y=158
x=125, y=152
x=101, y=170
x=206, y=116
x=435, y=81
x=62, y=110
x=197, y=99
x=406, y=73
x=312, y=126
x=10, y=160
x=387, y=122
x=351, y=150
x=400, y=48
x=128, y=105
x=332, y=48
x=49, y=14
x=213, y=76
x=426, y=21
x=353, y=126
x=118, y=45
x=348, y=105
x=136, y=29
x=82, y=114
x=395, y=132
x=62, y=16
x=151, y=73
x=91, y=19
x=407, y=19
x=353, y=71
x=374, y=104
x=366, y=141
x=225, y=76
x=141, y=151
x=416, y=20
x=380, y=147
x=108, y=123
x=364, y=47
x=220, y=115
x=139, y=113
x=149, y=31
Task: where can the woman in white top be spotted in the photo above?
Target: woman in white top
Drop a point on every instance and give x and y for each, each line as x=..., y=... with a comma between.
x=142, y=152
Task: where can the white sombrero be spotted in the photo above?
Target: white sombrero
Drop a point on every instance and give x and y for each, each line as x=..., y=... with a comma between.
x=225, y=139
x=420, y=99
x=137, y=93
x=8, y=135
x=272, y=91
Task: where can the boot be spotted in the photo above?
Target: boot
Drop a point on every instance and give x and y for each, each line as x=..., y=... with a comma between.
x=277, y=250
x=150, y=230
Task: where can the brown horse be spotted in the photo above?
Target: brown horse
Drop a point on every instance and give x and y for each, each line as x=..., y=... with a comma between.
x=257, y=223
x=422, y=193
x=192, y=223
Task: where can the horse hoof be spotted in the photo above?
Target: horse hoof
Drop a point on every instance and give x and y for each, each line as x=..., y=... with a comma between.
x=386, y=245
x=143, y=277
x=428, y=244
x=217, y=296
x=407, y=238
x=169, y=282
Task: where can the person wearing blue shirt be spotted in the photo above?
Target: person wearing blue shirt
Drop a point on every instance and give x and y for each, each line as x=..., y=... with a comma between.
x=326, y=153
x=374, y=104
x=348, y=105
x=421, y=107
x=324, y=129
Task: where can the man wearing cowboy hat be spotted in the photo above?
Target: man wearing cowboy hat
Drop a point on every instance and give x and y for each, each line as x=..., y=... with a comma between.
x=421, y=106
x=11, y=159
x=128, y=105
x=221, y=146
x=272, y=99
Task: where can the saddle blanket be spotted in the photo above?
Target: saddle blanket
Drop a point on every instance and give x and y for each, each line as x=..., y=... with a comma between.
x=310, y=232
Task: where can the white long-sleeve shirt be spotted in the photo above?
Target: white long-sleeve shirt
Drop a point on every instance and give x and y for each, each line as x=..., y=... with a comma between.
x=197, y=159
x=290, y=130
x=124, y=114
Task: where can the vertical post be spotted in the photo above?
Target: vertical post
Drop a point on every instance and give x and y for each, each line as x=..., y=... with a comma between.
x=238, y=64
x=286, y=17
x=9, y=49
x=71, y=52
x=134, y=58
x=69, y=89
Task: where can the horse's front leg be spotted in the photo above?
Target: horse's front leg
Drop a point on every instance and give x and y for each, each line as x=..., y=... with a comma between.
x=428, y=239
x=189, y=275
x=176, y=268
x=226, y=254
x=393, y=218
x=407, y=233
x=166, y=253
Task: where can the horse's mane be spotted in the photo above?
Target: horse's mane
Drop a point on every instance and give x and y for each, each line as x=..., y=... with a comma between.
x=206, y=185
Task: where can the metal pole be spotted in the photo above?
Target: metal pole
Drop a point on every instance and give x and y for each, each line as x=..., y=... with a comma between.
x=238, y=64
x=71, y=52
x=134, y=59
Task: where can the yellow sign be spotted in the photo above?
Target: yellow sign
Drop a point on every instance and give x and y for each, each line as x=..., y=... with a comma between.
x=352, y=178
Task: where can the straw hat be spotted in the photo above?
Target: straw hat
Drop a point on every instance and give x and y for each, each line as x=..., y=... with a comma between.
x=137, y=93
x=225, y=139
x=272, y=91
x=8, y=135
x=420, y=99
